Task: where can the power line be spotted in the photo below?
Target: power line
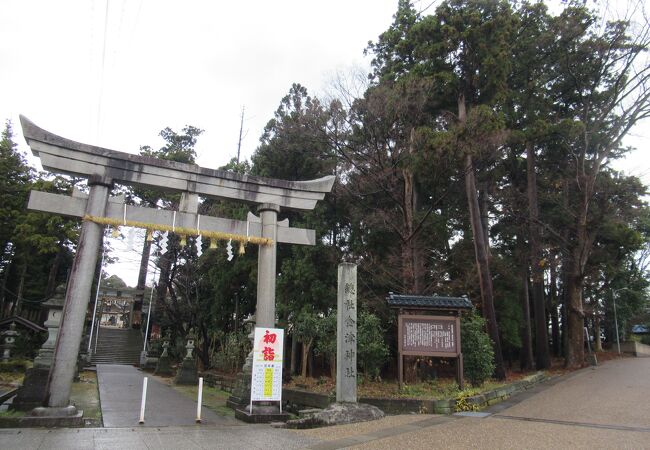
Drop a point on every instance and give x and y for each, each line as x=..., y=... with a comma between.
x=102, y=73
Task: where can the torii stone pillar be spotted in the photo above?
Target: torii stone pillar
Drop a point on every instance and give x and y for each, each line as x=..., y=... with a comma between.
x=266, y=267
x=77, y=297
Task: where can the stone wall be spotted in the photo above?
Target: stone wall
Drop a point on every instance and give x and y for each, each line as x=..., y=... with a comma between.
x=224, y=382
x=297, y=399
x=636, y=348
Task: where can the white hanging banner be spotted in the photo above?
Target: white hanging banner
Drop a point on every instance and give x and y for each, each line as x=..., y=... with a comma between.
x=267, y=364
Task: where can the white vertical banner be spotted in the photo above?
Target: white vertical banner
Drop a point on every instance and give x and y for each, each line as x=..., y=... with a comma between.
x=267, y=364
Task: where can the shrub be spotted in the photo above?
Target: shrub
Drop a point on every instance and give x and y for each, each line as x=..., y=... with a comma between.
x=231, y=358
x=27, y=344
x=372, y=350
x=326, y=343
x=478, y=354
x=15, y=365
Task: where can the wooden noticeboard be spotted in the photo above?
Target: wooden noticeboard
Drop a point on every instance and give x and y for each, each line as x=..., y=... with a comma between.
x=437, y=336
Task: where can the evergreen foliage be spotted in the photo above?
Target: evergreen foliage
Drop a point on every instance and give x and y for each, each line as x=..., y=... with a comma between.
x=372, y=350
x=478, y=355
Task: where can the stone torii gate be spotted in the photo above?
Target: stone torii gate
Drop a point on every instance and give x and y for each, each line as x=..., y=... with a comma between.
x=102, y=168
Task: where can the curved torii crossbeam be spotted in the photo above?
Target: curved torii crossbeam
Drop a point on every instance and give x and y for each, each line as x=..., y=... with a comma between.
x=103, y=167
x=61, y=155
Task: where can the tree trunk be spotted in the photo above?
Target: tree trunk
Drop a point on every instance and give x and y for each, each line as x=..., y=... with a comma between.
x=205, y=348
x=565, y=276
x=542, y=357
x=19, y=295
x=565, y=313
x=480, y=250
x=527, y=360
x=54, y=269
x=575, y=324
x=598, y=343
x=485, y=220
x=142, y=282
x=165, y=263
x=412, y=272
x=306, y=346
x=294, y=355
x=3, y=286
x=553, y=298
x=578, y=259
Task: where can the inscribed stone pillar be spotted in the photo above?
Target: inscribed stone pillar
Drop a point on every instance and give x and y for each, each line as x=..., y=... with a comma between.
x=346, y=334
x=77, y=297
x=266, y=267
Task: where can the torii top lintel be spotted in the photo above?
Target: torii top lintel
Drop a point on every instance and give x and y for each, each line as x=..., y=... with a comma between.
x=61, y=155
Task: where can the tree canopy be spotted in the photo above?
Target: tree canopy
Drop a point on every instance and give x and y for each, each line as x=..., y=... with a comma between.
x=477, y=161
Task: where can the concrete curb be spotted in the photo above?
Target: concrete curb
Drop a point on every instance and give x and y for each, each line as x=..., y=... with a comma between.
x=489, y=398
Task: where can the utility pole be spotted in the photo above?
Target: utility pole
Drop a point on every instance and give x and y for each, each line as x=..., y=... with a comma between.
x=614, y=292
x=241, y=130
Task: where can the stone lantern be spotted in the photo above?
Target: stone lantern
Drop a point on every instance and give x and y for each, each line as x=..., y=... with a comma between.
x=54, y=313
x=9, y=341
x=189, y=346
x=165, y=345
x=163, y=366
x=32, y=393
x=187, y=373
x=242, y=393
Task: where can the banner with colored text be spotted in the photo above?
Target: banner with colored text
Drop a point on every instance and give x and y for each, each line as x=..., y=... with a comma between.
x=267, y=364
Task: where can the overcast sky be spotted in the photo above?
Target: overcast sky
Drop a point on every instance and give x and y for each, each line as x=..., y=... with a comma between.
x=115, y=73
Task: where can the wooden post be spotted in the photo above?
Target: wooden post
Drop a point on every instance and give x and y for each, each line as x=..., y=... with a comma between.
x=400, y=357
x=400, y=368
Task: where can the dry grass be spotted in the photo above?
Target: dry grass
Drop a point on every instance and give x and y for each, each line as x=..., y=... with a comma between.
x=442, y=388
x=85, y=395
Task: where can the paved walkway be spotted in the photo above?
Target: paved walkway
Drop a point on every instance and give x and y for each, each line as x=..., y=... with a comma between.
x=252, y=437
x=120, y=394
x=605, y=407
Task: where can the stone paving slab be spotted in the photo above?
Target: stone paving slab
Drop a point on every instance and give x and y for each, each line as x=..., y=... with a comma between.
x=120, y=393
x=494, y=433
x=164, y=438
x=376, y=435
x=616, y=393
x=605, y=407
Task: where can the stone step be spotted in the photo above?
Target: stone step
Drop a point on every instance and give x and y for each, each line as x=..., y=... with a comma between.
x=118, y=346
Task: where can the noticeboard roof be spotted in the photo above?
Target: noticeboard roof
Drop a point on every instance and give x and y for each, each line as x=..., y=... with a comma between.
x=428, y=302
